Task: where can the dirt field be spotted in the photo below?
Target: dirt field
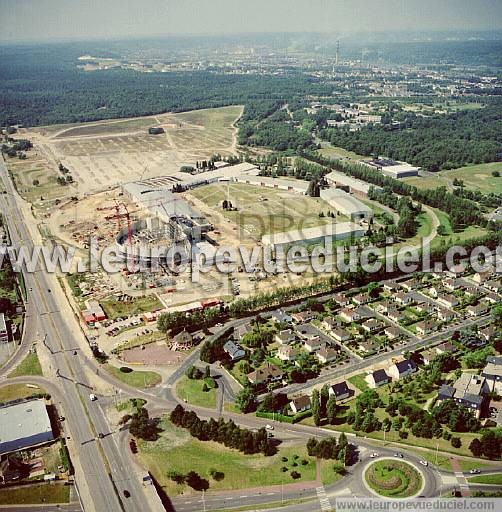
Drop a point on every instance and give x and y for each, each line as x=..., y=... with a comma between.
x=153, y=354
x=103, y=155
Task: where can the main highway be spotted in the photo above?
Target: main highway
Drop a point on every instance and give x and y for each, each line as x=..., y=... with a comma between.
x=102, y=471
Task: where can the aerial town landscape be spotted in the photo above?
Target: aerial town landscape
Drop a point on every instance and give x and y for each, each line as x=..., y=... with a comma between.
x=256, y=267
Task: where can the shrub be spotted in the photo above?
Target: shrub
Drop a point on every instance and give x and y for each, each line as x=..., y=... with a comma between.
x=284, y=469
x=125, y=369
x=284, y=459
x=403, y=434
x=456, y=442
x=295, y=475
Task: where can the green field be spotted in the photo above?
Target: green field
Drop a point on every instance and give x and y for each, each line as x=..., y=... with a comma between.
x=264, y=210
x=114, y=308
x=16, y=391
x=475, y=177
x=176, y=451
x=191, y=391
x=487, y=479
x=478, y=177
x=136, y=378
x=337, y=152
x=359, y=382
x=34, y=494
x=30, y=365
x=393, y=479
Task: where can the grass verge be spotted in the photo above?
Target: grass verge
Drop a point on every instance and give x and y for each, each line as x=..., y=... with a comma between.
x=30, y=365
x=135, y=378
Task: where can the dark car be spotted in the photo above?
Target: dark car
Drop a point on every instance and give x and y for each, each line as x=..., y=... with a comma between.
x=127, y=494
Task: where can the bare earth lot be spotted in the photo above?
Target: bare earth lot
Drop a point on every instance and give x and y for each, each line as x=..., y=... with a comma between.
x=105, y=154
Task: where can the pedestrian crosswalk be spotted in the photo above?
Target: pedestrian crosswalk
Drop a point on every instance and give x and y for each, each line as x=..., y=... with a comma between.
x=323, y=499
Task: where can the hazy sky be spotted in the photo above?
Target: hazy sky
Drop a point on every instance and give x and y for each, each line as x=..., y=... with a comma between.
x=82, y=19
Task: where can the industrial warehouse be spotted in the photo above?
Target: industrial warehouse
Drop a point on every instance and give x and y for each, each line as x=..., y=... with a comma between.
x=346, y=204
x=336, y=231
x=23, y=425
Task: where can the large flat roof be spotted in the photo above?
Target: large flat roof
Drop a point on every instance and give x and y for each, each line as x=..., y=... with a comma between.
x=344, y=202
x=23, y=420
x=334, y=230
x=349, y=181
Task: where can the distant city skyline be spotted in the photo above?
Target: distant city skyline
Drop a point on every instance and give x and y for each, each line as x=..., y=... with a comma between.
x=47, y=20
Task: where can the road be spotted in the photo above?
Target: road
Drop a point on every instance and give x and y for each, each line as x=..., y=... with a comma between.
x=101, y=470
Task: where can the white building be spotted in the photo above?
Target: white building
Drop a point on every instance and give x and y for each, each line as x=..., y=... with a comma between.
x=4, y=333
x=393, y=168
x=346, y=204
x=336, y=231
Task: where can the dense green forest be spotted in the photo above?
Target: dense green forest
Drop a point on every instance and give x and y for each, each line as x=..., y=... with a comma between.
x=434, y=142
x=43, y=86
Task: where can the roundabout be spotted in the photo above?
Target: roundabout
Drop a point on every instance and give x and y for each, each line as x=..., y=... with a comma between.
x=391, y=478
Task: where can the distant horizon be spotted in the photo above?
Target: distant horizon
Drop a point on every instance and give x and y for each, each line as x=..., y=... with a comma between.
x=372, y=36
x=90, y=20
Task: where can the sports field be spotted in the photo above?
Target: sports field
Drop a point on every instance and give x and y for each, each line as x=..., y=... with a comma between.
x=262, y=210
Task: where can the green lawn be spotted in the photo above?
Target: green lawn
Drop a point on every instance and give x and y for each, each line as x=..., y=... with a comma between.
x=191, y=391
x=33, y=494
x=359, y=382
x=478, y=177
x=443, y=461
x=176, y=450
x=136, y=378
x=487, y=479
x=394, y=479
x=337, y=152
x=30, y=365
x=16, y=391
x=114, y=308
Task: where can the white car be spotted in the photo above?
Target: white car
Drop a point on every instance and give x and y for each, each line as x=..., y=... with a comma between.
x=374, y=454
x=474, y=471
x=92, y=397
x=423, y=462
x=269, y=427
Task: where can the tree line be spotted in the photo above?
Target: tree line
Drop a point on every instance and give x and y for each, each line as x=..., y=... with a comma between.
x=223, y=432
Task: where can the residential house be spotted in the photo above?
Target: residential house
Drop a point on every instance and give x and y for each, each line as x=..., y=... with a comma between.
x=341, y=334
x=492, y=298
x=368, y=346
x=404, y=299
x=492, y=372
x=445, y=315
x=428, y=356
x=268, y=373
x=483, y=276
x=300, y=404
x=426, y=327
x=477, y=310
x=392, y=332
x=285, y=337
x=396, y=316
x=468, y=390
x=341, y=299
x=340, y=391
x=350, y=315
x=487, y=333
x=446, y=348
x=360, y=299
x=329, y=323
x=402, y=369
x=390, y=286
x=453, y=284
x=302, y=316
x=494, y=285
x=307, y=331
x=241, y=330
x=234, y=350
x=313, y=344
x=425, y=307
x=447, y=300
x=377, y=378
x=384, y=307
x=372, y=325
x=288, y=353
x=473, y=291
x=411, y=284
x=279, y=316
x=327, y=355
